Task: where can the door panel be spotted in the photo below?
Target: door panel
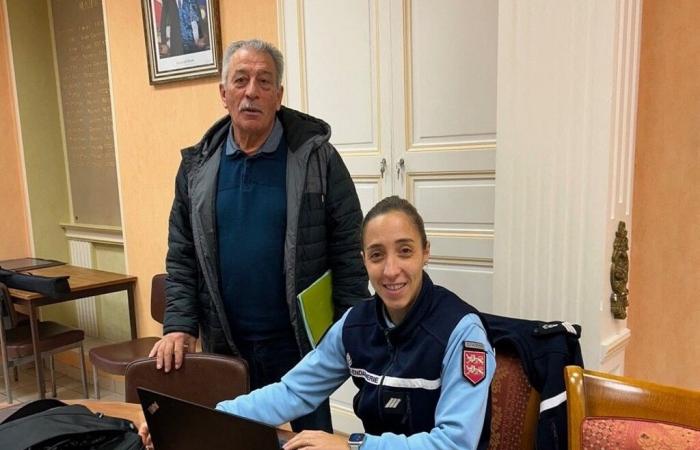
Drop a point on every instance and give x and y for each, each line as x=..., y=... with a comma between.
x=444, y=67
x=332, y=49
x=341, y=79
x=450, y=51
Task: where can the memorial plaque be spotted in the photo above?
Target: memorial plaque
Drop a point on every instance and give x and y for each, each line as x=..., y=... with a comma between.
x=81, y=57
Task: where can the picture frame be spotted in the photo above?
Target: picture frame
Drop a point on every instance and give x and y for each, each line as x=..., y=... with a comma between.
x=176, y=52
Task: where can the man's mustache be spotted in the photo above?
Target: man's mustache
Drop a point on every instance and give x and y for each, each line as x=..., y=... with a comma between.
x=249, y=107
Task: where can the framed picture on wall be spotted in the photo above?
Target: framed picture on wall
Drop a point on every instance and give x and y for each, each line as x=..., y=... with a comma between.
x=183, y=39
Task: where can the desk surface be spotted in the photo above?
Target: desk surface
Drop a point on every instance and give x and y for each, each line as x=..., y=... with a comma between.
x=129, y=411
x=21, y=264
x=81, y=279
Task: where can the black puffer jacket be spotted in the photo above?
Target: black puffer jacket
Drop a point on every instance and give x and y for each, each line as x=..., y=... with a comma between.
x=323, y=231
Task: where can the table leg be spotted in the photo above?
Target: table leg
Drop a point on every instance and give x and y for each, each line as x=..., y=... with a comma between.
x=38, y=363
x=132, y=309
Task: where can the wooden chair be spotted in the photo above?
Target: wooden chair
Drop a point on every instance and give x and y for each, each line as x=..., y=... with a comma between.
x=113, y=358
x=203, y=378
x=16, y=342
x=514, y=404
x=611, y=411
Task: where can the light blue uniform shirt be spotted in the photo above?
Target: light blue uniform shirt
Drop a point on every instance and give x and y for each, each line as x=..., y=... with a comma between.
x=459, y=415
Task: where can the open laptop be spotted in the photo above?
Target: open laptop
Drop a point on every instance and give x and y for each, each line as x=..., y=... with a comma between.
x=177, y=424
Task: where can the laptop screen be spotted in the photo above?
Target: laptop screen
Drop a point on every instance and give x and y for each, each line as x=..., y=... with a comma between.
x=177, y=424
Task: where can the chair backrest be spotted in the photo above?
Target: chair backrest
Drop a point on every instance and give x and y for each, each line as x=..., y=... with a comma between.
x=514, y=404
x=636, y=405
x=203, y=378
x=8, y=315
x=158, y=297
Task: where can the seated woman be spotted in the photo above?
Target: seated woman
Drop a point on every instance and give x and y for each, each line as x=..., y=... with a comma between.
x=419, y=355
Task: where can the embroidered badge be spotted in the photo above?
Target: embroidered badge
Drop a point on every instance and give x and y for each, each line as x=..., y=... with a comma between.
x=474, y=362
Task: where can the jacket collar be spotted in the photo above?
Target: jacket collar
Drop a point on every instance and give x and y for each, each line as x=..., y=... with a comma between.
x=299, y=128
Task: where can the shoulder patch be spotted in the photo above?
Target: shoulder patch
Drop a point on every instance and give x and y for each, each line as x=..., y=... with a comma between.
x=474, y=362
x=556, y=327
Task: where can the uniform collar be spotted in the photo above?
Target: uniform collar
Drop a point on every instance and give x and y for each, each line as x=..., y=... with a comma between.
x=418, y=311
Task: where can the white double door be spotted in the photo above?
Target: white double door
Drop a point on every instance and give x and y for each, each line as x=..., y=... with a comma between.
x=409, y=89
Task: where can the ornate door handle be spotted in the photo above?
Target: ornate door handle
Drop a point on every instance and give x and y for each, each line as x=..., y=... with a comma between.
x=401, y=165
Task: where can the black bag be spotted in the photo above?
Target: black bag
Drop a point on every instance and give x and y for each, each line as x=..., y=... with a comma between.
x=52, y=425
x=54, y=287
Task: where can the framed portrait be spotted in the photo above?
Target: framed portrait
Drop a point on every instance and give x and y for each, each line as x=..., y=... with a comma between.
x=183, y=39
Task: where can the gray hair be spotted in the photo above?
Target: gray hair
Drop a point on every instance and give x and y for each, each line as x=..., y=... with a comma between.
x=259, y=46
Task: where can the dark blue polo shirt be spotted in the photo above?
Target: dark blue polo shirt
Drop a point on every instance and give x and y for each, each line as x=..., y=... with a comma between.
x=251, y=219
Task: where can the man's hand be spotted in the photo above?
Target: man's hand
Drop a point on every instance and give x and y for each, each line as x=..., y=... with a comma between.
x=172, y=346
x=316, y=440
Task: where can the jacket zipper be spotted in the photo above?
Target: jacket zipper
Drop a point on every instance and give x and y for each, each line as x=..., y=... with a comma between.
x=393, y=352
x=295, y=305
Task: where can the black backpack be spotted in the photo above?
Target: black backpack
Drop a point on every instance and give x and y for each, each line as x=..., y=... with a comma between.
x=52, y=425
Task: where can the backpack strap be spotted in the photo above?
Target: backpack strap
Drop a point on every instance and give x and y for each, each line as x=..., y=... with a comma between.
x=34, y=407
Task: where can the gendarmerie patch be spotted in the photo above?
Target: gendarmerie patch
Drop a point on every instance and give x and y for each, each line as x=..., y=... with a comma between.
x=474, y=362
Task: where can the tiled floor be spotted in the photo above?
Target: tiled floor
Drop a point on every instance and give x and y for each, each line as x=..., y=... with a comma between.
x=68, y=381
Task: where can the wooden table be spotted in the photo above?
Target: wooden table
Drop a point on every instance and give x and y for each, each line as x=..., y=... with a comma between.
x=83, y=282
x=128, y=411
x=134, y=413
x=123, y=410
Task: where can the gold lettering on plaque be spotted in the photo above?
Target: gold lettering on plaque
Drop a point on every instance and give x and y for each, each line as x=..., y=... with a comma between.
x=619, y=274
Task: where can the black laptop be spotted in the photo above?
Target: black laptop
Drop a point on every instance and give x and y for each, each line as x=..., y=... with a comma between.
x=177, y=424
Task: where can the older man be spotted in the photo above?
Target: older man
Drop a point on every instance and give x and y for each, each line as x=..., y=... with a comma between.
x=263, y=207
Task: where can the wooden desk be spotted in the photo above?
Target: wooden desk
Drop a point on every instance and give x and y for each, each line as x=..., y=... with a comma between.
x=83, y=282
x=128, y=411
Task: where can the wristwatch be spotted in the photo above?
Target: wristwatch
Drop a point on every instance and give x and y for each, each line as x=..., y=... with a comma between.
x=356, y=440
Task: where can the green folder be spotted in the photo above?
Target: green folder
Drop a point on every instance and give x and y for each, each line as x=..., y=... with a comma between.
x=316, y=307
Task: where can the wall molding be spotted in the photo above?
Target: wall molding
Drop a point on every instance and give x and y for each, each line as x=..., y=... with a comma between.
x=99, y=234
x=567, y=82
x=612, y=352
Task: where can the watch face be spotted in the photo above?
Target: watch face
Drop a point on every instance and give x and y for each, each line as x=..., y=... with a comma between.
x=356, y=438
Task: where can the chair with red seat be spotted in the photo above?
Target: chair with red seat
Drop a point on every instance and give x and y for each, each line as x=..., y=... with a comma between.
x=612, y=411
x=16, y=342
x=514, y=404
x=113, y=358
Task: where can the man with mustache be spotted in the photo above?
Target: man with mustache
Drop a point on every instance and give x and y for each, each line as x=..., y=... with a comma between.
x=263, y=207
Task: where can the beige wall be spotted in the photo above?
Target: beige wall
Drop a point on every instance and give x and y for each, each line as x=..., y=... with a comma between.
x=112, y=309
x=149, y=139
x=41, y=128
x=664, y=314
x=14, y=230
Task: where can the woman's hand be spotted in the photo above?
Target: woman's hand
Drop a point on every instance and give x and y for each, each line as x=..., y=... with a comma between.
x=316, y=440
x=145, y=436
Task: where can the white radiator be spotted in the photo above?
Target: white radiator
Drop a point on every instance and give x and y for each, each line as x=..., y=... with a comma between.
x=81, y=255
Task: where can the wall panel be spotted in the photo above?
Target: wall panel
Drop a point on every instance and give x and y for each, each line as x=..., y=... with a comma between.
x=665, y=262
x=14, y=224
